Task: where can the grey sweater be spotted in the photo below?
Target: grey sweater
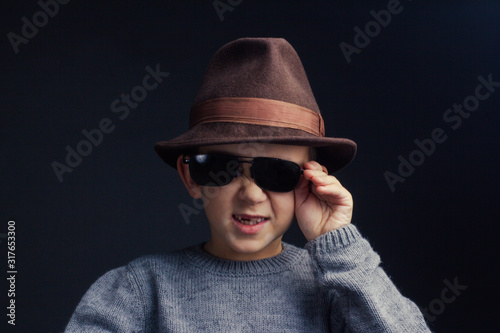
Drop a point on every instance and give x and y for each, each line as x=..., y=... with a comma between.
x=335, y=284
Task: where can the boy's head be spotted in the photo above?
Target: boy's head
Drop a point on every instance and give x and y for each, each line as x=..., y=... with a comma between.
x=254, y=101
x=246, y=221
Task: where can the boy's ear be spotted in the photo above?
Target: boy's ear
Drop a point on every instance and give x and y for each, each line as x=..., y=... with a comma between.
x=183, y=169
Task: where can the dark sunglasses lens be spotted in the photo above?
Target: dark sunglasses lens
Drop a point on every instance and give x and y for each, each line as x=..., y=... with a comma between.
x=276, y=175
x=213, y=169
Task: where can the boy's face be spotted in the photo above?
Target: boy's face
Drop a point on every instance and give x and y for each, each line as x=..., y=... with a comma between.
x=226, y=205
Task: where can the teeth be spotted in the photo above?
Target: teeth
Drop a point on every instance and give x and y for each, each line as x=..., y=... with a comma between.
x=249, y=222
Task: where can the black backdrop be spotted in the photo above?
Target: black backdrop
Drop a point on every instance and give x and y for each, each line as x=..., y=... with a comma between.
x=121, y=201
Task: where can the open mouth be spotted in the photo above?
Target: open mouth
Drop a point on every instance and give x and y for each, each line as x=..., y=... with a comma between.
x=249, y=220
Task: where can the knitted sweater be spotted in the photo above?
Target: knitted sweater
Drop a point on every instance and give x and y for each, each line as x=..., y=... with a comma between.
x=335, y=284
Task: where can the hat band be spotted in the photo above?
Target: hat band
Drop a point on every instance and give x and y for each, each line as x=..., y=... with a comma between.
x=257, y=111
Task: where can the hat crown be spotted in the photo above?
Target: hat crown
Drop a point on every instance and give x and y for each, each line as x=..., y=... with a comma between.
x=256, y=90
x=267, y=68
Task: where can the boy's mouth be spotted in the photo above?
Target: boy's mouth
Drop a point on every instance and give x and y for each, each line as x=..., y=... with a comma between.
x=249, y=219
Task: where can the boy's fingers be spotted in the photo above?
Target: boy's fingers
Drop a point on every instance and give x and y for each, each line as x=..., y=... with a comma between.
x=313, y=165
x=335, y=191
x=319, y=177
x=315, y=172
x=323, y=180
x=325, y=170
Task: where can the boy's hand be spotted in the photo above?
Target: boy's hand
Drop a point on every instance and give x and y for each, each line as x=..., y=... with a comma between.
x=321, y=203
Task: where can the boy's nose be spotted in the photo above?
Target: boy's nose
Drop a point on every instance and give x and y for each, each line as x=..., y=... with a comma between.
x=249, y=191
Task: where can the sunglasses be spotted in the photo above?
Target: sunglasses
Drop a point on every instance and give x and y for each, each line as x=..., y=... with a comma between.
x=272, y=174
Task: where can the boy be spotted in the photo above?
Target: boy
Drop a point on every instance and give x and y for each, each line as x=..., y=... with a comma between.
x=255, y=129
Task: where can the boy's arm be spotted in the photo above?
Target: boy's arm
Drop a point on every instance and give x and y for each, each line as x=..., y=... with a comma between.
x=112, y=304
x=361, y=295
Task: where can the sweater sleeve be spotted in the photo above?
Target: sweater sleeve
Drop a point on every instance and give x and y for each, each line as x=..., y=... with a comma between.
x=112, y=304
x=362, y=298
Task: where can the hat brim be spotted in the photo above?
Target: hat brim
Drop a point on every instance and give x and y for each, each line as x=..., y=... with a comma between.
x=334, y=153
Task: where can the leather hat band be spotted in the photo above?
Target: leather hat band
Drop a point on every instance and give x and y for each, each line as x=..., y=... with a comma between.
x=257, y=111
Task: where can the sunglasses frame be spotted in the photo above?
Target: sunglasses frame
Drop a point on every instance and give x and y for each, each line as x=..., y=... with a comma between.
x=187, y=160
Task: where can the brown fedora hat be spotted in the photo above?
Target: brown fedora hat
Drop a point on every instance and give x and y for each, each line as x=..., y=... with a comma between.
x=256, y=90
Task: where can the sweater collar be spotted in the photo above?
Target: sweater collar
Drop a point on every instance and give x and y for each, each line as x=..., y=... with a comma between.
x=198, y=257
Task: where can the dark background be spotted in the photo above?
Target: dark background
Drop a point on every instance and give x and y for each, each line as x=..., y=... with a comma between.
x=122, y=201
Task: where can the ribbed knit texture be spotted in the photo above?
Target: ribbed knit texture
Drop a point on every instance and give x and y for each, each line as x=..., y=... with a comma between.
x=334, y=285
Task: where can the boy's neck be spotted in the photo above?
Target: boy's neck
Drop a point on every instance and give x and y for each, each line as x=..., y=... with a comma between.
x=225, y=252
